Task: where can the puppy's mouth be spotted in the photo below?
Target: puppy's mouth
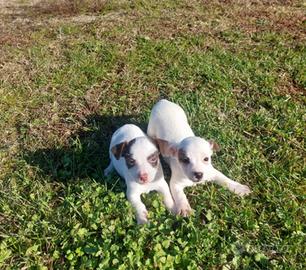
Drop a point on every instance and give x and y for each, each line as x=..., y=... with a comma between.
x=196, y=180
x=143, y=182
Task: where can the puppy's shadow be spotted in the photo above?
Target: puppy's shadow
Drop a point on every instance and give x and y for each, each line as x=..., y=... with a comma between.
x=87, y=154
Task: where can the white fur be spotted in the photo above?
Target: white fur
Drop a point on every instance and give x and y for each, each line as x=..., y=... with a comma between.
x=140, y=150
x=168, y=122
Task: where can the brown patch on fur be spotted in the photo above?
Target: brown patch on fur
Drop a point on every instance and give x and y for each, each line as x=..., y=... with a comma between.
x=182, y=156
x=127, y=149
x=118, y=149
x=130, y=162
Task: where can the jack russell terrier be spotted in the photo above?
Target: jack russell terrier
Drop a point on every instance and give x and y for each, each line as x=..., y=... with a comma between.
x=189, y=156
x=136, y=158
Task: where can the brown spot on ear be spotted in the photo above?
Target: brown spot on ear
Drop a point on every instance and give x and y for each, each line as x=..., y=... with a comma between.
x=118, y=149
x=166, y=148
x=214, y=146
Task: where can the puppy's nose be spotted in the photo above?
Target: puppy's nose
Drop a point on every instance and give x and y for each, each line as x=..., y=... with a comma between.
x=143, y=177
x=198, y=175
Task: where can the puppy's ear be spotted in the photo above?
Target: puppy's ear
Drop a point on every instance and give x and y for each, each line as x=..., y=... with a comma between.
x=118, y=149
x=214, y=146
x=167, y=149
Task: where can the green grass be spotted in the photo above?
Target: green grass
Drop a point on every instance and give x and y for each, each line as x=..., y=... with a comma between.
x=241, y=81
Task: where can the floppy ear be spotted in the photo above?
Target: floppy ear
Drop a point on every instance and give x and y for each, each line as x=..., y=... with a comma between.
x=167, y=149
x=214, y=146
x=118, y=149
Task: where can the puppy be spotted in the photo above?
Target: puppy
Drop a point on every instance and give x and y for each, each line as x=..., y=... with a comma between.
x=188, y=156
x=136, y=158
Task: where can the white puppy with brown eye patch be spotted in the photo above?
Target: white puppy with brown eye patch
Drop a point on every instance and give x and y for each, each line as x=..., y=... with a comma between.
x=136, y=158
x=188, y=156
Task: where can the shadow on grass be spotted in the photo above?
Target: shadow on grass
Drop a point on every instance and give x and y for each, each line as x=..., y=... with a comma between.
x=87, y=154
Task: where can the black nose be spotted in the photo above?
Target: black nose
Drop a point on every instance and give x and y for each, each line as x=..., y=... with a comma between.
x=198, y=175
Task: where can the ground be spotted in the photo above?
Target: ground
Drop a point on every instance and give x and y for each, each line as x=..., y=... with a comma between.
x=71, y=72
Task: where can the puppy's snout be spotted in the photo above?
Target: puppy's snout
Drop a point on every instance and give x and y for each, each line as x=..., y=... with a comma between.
x=143, y=177
x=198, y=175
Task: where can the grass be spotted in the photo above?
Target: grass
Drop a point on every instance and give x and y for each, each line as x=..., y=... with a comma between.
x=67, y=83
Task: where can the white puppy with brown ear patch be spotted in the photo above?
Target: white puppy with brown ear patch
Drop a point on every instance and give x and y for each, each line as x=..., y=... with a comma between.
x=136, y=159
x=188, y=156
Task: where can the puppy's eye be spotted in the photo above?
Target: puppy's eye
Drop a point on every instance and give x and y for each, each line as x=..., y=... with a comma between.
x=185, y=160
x=206, y=159
x=131, y=161
x=153, y=159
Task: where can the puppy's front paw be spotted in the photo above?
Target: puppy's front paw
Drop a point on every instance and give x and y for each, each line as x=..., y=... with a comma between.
x=170, y=205
x=184, y=210
x=241, y=190
x=173, y=210
x=109, y=169
x=106, y=172
x=142, y=218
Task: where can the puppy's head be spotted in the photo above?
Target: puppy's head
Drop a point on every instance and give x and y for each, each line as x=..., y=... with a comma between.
x=193, y=154
x=141, y=158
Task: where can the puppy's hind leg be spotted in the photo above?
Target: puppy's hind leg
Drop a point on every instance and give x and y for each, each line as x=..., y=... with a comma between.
x=109, y=169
